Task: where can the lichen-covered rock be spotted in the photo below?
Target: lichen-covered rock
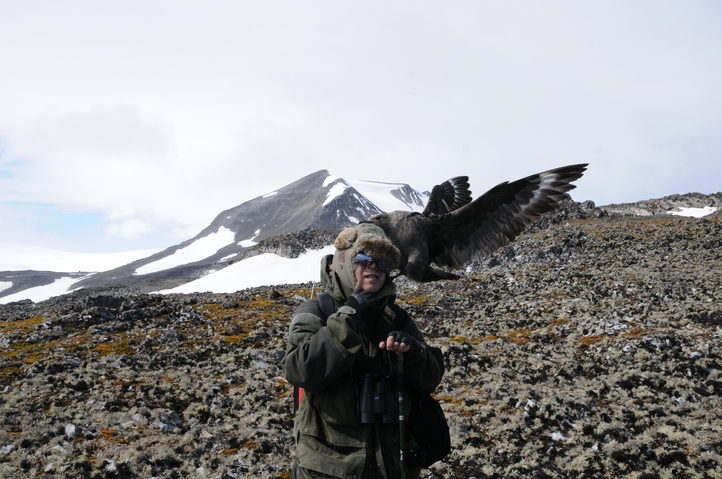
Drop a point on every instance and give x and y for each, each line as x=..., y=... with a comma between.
x=588, y=348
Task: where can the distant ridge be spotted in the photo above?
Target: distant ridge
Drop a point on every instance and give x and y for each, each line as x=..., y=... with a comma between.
x=669, y=205
x=284, y=222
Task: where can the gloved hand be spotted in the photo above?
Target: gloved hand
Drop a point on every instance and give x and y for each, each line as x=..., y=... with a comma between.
x=394, y=341
x=360, y=300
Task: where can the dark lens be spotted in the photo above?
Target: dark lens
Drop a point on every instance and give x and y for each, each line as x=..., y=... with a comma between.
x=366, y=261
x=383, y=266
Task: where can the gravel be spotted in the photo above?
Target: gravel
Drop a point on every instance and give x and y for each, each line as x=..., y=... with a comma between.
x=588, y=348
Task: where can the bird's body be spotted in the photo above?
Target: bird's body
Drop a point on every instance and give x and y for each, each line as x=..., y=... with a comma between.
x=453, y=230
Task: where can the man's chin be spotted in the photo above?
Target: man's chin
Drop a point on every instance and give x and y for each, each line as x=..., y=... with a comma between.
x=371, y=285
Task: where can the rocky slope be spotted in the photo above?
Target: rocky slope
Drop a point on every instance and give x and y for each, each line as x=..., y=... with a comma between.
x=667, y=204
x=588, y=348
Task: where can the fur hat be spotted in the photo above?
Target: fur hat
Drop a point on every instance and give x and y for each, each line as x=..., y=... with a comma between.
x=364, y=238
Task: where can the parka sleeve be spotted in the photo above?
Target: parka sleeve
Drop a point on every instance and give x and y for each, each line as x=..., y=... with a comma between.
x=318, y=354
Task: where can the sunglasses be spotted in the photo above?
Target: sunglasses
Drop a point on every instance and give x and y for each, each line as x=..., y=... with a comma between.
x=366, y=261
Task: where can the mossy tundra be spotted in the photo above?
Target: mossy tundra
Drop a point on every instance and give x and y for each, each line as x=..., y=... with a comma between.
x=588, y=348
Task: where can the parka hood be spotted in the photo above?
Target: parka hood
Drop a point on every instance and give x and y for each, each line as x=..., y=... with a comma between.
x=337, y=270
x=330, y=281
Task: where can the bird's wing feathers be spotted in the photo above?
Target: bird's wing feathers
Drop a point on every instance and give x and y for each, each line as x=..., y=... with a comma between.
x=448, y=196
x=498, y=216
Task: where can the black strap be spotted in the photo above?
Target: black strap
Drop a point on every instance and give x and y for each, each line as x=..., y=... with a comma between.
x=327, y=305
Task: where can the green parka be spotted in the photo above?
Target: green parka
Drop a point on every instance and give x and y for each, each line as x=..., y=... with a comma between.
x=326, y=358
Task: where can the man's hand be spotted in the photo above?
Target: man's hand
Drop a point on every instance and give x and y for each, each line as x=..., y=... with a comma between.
x=398, y=342
x=360, y=300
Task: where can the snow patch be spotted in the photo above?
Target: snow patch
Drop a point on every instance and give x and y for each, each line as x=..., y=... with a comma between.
x=335, y=191
x=261, y=270
x=40, y=293
x=329, y=179
x=196, y=251
x=694, y=212
x=247, y=243
x=270, y=194
x=5, y=285
x=250, y=242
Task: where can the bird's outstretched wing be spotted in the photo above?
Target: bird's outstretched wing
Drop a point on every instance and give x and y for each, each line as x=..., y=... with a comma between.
x=448, y=196
x=498, y=216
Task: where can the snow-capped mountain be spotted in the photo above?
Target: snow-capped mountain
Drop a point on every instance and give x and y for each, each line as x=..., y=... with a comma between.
x=248, y=245
x=320, y=201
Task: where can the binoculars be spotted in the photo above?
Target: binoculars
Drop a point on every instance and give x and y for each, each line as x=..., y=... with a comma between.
x=375, y=399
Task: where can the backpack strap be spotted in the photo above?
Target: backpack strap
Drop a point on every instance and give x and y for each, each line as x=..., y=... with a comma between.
x=327, y=305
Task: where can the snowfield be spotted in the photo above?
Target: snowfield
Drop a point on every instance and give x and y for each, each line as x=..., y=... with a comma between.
x=377, y=193
x=262, y=270
x=196, y=251
x=40, y=293
x=380, y=195
x=18, y=257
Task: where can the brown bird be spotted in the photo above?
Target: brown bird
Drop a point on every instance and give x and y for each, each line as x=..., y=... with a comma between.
x=453, y=230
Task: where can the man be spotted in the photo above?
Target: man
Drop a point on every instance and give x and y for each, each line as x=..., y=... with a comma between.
x=336, y=358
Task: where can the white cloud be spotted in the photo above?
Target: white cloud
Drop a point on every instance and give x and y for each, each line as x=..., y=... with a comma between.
x=128, y=228
x=102, y=131
x=179, y=113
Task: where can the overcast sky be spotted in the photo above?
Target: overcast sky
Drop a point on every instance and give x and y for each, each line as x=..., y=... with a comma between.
x=132, y=124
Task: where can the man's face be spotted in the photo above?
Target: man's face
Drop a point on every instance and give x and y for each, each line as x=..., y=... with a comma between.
x=369, y=278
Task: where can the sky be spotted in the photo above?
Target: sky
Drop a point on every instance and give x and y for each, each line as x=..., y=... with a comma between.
x=130, y=125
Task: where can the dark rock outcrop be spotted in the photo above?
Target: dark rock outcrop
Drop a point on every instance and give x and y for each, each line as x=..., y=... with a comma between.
x=292, y=245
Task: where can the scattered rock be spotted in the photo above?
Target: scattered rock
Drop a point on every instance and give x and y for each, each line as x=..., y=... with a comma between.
x=588, y=348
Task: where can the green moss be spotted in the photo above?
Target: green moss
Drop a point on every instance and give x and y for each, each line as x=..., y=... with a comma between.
x=23, y=326
x=418, y=300
x=117, y=345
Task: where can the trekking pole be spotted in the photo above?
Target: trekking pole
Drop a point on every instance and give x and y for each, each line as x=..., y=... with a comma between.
x=402, y=425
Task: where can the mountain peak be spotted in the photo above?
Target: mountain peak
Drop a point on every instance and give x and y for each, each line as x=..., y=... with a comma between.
x=320, y=201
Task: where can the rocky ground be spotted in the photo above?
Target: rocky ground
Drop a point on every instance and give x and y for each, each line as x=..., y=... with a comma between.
x=589, y=348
